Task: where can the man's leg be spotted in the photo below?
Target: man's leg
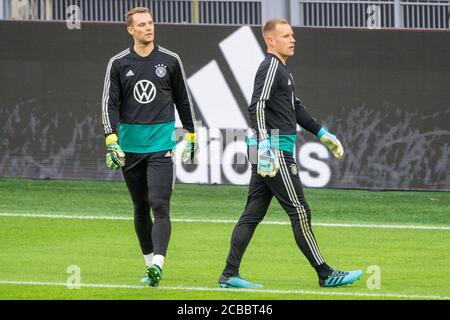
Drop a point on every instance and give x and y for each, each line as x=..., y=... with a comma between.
x=160, y=183
x=135, y=176
x=258, y=201
x=288, y=190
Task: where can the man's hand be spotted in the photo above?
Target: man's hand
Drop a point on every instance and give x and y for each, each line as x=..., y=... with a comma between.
x=115, y=158
x=191, y=149
x=331, y=142
x=268, y=164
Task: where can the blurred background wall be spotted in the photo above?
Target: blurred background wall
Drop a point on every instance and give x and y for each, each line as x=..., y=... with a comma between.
x=382, y=86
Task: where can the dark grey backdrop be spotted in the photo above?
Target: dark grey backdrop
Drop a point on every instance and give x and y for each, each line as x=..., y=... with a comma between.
x=385, y=92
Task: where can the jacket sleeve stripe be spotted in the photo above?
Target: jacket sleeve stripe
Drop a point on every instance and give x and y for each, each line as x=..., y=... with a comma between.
x=173, y=54
x=106, y=86
x=260, y=107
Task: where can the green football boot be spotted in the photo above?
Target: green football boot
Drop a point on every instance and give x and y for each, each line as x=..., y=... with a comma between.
x=152, y=276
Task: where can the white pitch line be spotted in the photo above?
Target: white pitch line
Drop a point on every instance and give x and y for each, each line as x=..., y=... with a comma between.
x=319, y=224
x=270, y=291
x=62, y=216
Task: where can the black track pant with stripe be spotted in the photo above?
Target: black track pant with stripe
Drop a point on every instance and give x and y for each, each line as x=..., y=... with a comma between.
x=150, y=179
x=288, y=190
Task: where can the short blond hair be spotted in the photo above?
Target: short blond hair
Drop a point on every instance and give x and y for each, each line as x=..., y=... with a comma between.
x=270, y=25
x=131, y=12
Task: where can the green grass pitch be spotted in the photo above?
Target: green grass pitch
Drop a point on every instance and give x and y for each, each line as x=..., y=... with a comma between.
x=36, y=252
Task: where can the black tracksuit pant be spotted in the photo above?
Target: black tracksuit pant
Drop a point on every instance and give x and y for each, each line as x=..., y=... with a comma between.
x=150, y=179
x=288, y=190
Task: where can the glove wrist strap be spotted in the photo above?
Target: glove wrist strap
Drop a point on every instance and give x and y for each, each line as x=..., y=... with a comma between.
x=321, y=132
x=190, y=137
x=112, y=138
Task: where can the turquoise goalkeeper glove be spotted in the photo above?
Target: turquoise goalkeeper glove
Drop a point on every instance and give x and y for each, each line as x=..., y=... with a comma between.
x=331, y=142
x=191, y=149
x=115, y=158
x=268, y=164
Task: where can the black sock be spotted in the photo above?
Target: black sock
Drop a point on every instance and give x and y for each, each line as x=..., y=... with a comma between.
x=323, y=270
x=230, y=271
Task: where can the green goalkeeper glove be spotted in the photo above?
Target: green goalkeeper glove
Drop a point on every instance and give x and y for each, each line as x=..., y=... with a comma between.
x=115, y=158
x=191, y=149
x=331, y=142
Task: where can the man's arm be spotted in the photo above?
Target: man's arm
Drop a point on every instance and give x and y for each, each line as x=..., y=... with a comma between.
x=309, y=123
x=304, y=119
x=182, y=98
x=115, y=158
x=183, y=103
x=264, y=84
x=111, y=99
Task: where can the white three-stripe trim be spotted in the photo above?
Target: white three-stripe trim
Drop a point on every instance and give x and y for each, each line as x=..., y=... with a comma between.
x=173, y=54
x=260, y=106
x=306, y=230
x=106, y=87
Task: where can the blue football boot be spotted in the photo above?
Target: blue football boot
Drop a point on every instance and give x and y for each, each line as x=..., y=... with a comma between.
x=340, y=278
x=237, y=283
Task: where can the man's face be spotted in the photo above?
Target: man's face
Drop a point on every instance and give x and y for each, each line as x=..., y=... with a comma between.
x=142, y=28
x=283, y=40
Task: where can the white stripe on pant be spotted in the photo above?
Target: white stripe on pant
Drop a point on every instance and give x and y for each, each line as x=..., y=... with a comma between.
x=300, y=209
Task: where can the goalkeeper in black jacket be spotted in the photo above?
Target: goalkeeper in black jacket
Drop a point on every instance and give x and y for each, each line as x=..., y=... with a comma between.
x=142, y=85
x=274, y=114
